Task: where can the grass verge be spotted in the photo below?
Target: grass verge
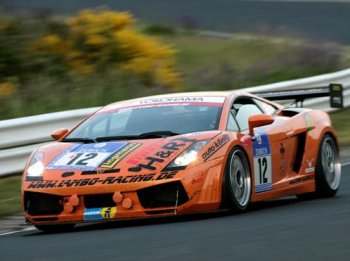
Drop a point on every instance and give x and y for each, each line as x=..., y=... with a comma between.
x=341, y=123
x=10, y=195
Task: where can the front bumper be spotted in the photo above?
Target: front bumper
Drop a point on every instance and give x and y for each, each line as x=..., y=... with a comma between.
x=82, y=200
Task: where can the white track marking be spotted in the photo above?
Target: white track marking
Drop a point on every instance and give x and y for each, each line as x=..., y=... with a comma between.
x=18, y=231
x=8, y=199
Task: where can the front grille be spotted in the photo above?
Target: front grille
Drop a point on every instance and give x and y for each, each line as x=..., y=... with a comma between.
x=42, y=204
x=99, y=201
x=46, y=219
x=165, y=195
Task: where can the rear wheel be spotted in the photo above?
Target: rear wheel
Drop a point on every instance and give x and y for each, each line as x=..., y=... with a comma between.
x=328, y=168
x=55, y=228
x=237, y=180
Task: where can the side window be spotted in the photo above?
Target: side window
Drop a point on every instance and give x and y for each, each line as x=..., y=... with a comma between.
x=267, y=108
x=242, y=109
x=231, y=123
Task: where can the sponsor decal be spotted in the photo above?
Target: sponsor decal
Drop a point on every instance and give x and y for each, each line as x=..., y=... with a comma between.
x=183, y=100
x=91, y=214
x=310, y=167
x=262, y=162
x=167, y=150
x=140, y=155
x=85, y=156
x=99, y=145
x=117, y=157
x=166, y=101
x=104, y=181
x=217, y=144
x=67, y=174
x=302, y=179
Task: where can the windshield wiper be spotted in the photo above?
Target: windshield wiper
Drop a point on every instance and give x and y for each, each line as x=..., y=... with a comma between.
x=158, y=134
x=122, y=137
x=146, y=135
x=84, y=140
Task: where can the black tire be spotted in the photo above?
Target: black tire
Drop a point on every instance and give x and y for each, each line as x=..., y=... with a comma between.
x=237, y=181
x=328, y=168
x=55, y=228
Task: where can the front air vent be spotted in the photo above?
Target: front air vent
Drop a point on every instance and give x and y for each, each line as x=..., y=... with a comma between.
x=48, y=219
x=299, y=152
x=165, y=195
x=36, y=204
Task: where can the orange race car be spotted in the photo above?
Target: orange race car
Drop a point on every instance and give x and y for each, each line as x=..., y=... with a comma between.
x=182, y=153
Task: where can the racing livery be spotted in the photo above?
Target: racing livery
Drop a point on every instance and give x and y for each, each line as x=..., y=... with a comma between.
x=180, y=154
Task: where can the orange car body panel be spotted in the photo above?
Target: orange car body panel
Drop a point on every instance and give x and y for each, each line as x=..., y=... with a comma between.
x=202, y=179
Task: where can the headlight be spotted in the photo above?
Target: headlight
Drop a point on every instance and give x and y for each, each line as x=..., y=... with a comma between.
x=188, y=156
x=36, y=166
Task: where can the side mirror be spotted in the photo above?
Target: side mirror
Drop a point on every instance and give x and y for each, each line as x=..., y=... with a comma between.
x=259, y=120
x=58, y=134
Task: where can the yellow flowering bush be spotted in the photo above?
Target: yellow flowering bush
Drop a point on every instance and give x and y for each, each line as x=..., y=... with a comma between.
x=101, y=39
x=3, y=24
x=7, y=89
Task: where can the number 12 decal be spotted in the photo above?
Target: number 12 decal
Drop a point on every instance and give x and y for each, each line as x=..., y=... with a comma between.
x=262, y=163
x=85, y=156
x=262, y=170
x=83, y=161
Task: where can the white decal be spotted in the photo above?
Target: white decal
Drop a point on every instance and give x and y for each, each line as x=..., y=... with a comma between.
x=193, y=99
x=262, y=163
x=310, y=167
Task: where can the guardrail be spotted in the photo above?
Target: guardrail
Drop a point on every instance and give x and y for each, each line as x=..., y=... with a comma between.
x=19, y=137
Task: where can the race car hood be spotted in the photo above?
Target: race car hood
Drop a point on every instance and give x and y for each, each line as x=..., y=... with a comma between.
x=146, y=156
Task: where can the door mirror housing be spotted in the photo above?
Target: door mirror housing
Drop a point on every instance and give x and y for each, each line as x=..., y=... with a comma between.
x=59, y=134
x=259, y=120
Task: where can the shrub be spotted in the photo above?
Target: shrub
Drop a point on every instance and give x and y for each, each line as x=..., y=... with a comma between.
x=159, y=29
x=99, y=40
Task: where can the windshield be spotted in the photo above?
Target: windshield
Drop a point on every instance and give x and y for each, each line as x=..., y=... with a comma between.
x=137, y=122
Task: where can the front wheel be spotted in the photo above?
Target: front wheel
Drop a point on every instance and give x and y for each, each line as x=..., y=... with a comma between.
x=328, y=168
x=237, y=180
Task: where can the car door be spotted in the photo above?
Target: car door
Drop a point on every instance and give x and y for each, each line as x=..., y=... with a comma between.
x=270, y=143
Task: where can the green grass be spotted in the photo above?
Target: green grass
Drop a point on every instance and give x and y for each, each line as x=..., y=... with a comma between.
x=341, y=123
x=10, y=195
x=208, y=63
x=196, y=51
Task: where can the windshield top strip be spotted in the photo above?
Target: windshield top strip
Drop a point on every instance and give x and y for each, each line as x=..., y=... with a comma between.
x=142, y=106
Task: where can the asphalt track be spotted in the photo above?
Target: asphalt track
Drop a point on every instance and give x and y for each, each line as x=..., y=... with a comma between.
x=285, y=229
